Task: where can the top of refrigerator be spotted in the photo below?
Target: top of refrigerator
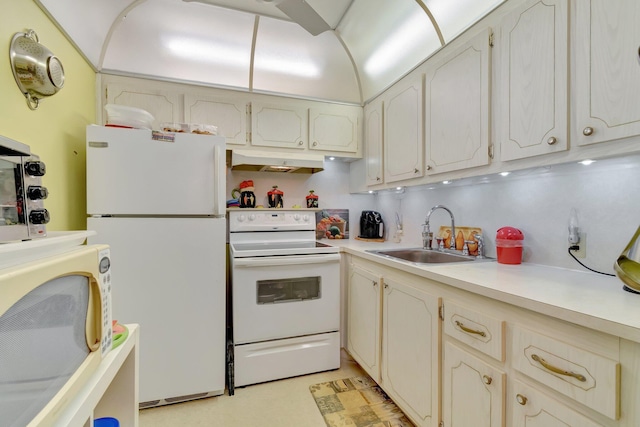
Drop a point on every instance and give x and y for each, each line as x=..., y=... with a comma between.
x=137, y=172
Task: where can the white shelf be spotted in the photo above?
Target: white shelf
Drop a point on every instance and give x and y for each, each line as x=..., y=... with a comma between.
x=112, y=391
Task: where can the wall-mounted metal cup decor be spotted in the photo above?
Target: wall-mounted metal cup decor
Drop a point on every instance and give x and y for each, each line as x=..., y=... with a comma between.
x=37, y=71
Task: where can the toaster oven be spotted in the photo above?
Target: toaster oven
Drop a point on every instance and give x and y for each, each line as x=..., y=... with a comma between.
x=22, y=212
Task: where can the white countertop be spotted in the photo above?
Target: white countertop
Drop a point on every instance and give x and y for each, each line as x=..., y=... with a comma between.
x=582, y=297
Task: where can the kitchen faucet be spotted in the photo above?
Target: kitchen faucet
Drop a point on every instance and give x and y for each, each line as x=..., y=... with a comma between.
x=427, y=236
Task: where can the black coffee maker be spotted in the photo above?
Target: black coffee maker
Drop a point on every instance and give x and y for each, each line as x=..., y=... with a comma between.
x=371, y=225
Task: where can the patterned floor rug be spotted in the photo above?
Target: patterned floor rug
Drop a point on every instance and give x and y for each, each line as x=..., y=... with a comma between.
x=357, y=402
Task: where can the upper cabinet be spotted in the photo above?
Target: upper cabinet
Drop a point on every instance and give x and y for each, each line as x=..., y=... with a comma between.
x=229, y=115
x=279, y=125
x=534, y=46
x=403, y=142
x=335, y=128
x=164, y=106
x=607, y=74
x=263, y=122
x=456, y=112
x=373, y=141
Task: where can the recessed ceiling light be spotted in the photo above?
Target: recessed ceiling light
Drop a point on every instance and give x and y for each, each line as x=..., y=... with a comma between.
x=332, y=158
x=398, y=188
x=587, y=162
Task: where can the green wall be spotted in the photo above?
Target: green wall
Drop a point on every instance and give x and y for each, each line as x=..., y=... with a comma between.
x=56, y=130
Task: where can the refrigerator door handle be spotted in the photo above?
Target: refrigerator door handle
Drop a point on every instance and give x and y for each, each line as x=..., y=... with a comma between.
x=219, y=176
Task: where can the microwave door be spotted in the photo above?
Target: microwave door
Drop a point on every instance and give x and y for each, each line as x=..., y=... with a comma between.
x=130, y=173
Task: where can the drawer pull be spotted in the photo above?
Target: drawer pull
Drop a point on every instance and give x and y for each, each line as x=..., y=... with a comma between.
x=521, y=399
x=487, y=379
x=460, y=325
x=552, y=368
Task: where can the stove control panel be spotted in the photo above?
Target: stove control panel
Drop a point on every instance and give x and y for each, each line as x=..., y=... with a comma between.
x=271, y=220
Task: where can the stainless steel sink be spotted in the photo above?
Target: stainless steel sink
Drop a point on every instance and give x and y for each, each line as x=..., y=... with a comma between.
x=427, y=256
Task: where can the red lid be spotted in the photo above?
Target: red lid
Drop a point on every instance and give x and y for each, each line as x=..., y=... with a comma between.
x=275, y=191
x=311, y=195
x=509, y=233
x=245, y=184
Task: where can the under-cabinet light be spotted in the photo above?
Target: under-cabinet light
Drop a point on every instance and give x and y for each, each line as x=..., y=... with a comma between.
x=587, y=162
x=446, y=182
x=504, y=173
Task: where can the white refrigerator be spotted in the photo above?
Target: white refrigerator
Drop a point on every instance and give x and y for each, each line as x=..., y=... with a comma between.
x=160, y=205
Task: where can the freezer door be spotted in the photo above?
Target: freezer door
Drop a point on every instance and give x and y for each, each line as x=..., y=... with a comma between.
x=130, y=173
x=168, y=275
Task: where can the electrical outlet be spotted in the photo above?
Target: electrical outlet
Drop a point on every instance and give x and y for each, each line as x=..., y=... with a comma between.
x=582, y=252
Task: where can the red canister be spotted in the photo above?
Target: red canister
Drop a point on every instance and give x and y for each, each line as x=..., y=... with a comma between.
x=509, y=245
x=312, y=200
x=275, y=197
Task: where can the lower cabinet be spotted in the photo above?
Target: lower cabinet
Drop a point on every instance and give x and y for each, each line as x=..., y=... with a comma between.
x=394, y=336
x=410, y=349
x=363, y=320
x=451, y=358
x=473, y=391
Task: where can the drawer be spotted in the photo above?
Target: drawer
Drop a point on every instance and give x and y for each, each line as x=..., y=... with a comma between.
x=478, y=330
x=586, y=377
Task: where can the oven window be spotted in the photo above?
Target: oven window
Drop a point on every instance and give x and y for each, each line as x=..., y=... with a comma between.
x=11, y=201
x=287, y=290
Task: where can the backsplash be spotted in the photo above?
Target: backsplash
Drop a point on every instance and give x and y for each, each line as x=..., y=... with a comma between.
x=538, y=202
x=331, y=186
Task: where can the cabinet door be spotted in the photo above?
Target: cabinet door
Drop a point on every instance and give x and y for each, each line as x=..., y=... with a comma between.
x=410, y=349
x=277, y=125
x=534, y=47
x=334, y=128
x=403, y=142
x=457, y=107
x=164, y=106
x=607, y=72
x=363, y=321
x=228, y=115
x=532, y=408
x=473, y=391
x=373, y=141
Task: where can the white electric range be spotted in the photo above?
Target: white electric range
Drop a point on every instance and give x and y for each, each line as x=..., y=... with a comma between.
x=285, y=292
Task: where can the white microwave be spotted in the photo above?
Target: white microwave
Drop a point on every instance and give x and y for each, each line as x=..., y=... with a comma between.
x=55, y=329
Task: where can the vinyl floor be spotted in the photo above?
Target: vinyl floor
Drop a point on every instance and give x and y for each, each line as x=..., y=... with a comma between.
x=283, y=403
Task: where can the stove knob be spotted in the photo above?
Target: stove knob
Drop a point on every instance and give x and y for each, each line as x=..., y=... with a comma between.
x=296, y=217
x=306, y=218
x=39, y=216
x=241, y=218
x=252, y=217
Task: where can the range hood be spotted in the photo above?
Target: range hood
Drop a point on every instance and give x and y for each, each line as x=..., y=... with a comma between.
x=266, y=161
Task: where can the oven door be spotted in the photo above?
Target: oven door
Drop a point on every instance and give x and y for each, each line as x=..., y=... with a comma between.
x=13, y=219
x=285, y=296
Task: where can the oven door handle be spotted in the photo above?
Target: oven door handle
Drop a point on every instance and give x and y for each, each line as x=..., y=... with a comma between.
x=274, y=261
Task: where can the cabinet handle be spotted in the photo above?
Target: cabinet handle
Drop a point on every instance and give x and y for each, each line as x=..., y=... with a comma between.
x=375, y=284
x=588, y=131
x=377, y=178
x=552, y=140
x=521, y=399
x=460, y=325
x=428, y=168
x=300, y=142
x=386, y=286
x=416, y=170
x=552, y=368
x=315, y=143
x=487, y=379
